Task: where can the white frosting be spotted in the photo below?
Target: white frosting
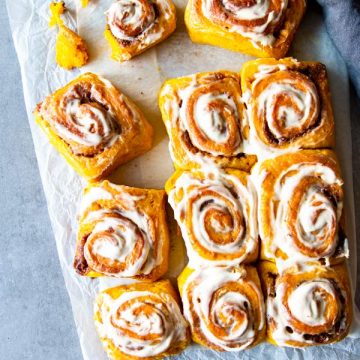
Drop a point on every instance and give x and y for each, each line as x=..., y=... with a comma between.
x=241, y=208
x=211, y=122
x=119, y=238
x=123, y=316
x=208, y=120
x=198, y=293
x=89, y=125
x=130, y=13
x=304, y=100
x=258, y=11
x=317, y=216
x=94, y=194
x=118, y=232
x=307, y=304
x=305, y=113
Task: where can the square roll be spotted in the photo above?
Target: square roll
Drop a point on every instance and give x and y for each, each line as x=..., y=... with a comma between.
x=216, y=212
x=260, y=28
x=141, y=321
x=122, y=233
x=224, y=306
x=204, y=118
x=306, y=304
x=134, y=26
x=300, y=207
x=94, y=126
x=288, y=105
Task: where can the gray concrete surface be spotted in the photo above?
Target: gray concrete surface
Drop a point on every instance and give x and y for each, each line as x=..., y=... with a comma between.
x=35, y=315
x=36, y=321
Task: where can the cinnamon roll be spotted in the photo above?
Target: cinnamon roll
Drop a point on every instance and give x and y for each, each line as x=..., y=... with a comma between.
x=141, y=321
x=288, y=105
x=263, y=28
x=224, y=306
x=204, y=118
x=94, y=126
x=307, y=304
x=136, y=25
x=216, y=212
x=122, y=233
x=300, y=207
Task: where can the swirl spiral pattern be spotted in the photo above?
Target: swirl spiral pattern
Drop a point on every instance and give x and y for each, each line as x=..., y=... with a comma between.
x=286, y=105
x=141, y=323
x=224, y=308
x=301, y=205
x=118, y=237
x=211, y=116
x=94, y=126
x=205, y=120
x=217, y=216
x=84, y=116
x=129, y=19
x=309, y=307
x=118, y=245
x=255, y=19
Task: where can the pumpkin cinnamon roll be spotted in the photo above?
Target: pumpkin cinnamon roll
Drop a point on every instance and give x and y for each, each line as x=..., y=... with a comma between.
x=224, y=306
x=288, y=105
x=300, y=207
x=122, y=233
x=141, y=321
x=306, y=305
x=136, y=25
x=216, y=212
x=94, y=126
x=263, y=28
x=205, y=121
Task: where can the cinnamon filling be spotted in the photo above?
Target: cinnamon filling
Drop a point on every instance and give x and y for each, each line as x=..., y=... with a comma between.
x=228, y=13
x=130, y=30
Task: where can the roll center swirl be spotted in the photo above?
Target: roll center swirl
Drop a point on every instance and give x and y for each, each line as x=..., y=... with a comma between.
x=143, y=319
x=142, y=324
x=213, y=120
x=229, y=315
x=116, y=245
x=260, y=17
x=313, y=306
x=128, y=19
x=224, y=224
x=222, y=308
x=88, y=124
x=287, y=105
x=312, y=218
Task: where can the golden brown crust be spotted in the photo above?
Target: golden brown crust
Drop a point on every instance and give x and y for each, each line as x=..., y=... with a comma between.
x=333, y=285
x=167, y=293
x=247, y=287
x=156, y=20
x=285, y=208
x=106, y=220
x=216, y=94
x=232, y=208
x=286, y=82
x=94, y=126
x=216, y=29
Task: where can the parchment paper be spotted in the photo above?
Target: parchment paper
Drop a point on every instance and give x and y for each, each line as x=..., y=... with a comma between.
x=141, y=79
